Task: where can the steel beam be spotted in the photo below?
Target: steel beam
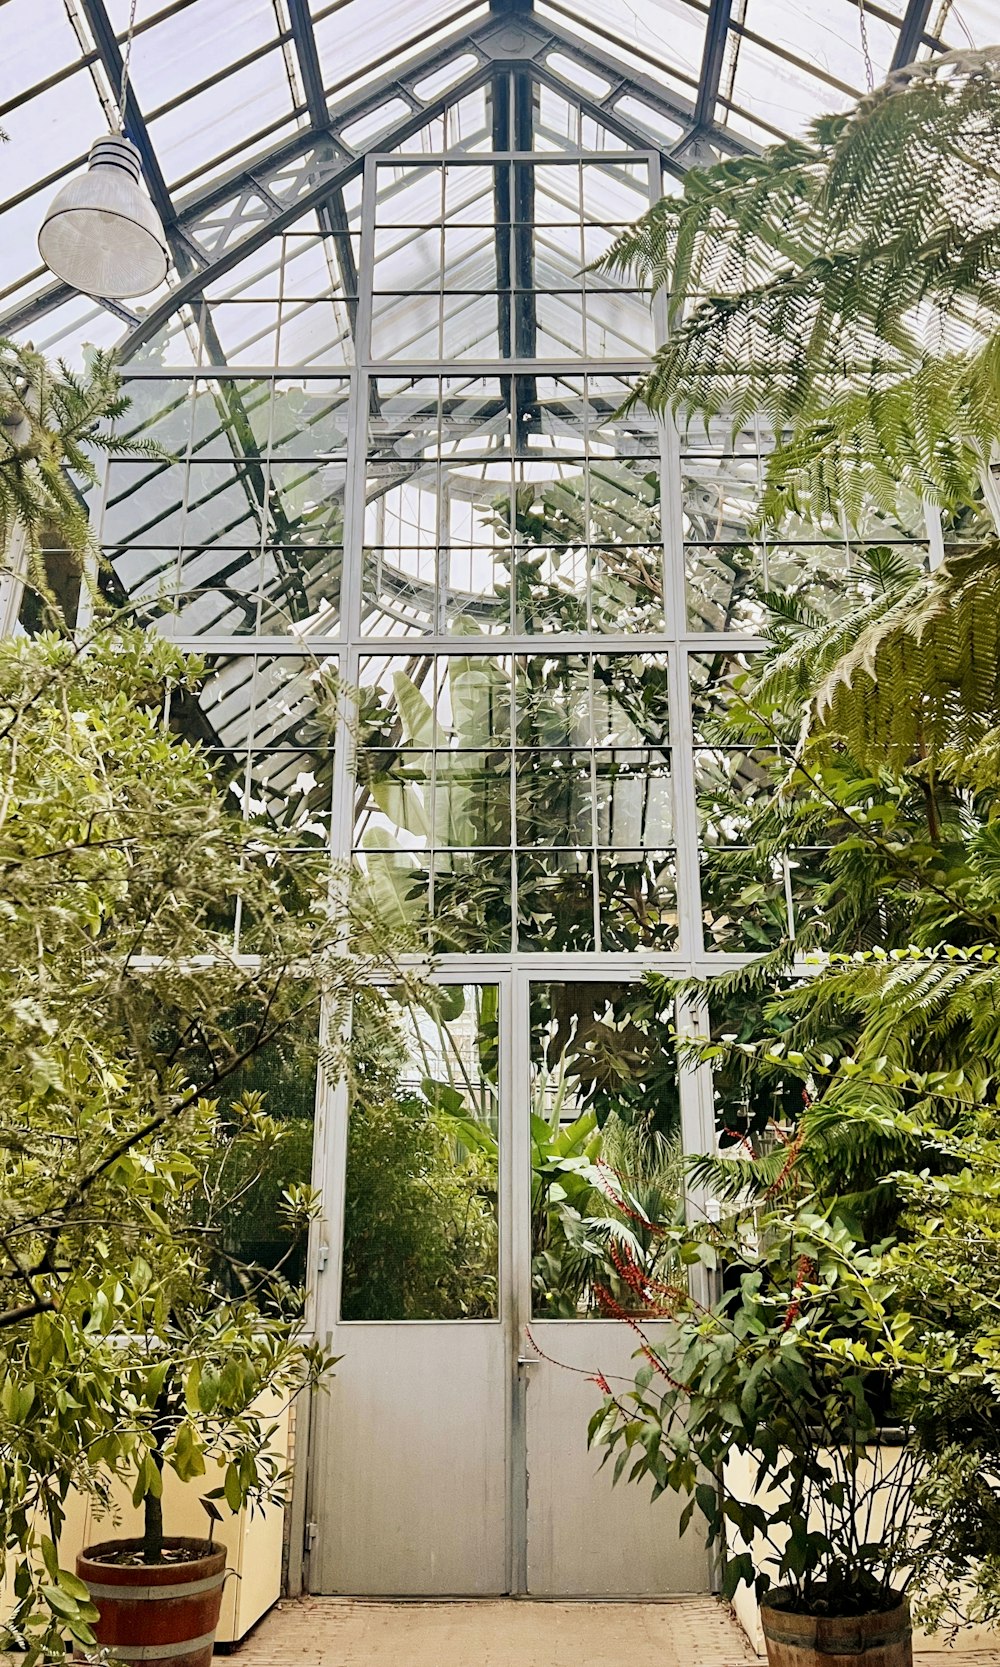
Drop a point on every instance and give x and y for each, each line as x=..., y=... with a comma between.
x=713, y=57
x=333, y=218
x=300, y=17
x=911, y=32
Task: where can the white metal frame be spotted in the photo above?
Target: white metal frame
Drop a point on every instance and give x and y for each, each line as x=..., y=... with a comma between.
x=516, y=971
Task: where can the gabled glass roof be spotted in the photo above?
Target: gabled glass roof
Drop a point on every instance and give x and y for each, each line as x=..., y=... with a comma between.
x=236, y=103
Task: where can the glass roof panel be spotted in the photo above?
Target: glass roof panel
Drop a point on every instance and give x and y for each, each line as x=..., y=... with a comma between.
x=782, y=96
x=19, y=257
x=118, y=11
x=49, y=133
x=38, y=41
x=826, y=34
x=353, y=43
x=191, y=136
x=71, y=331
x=196, y=43
x=670, y=33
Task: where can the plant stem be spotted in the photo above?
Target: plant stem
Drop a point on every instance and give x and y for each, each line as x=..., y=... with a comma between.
x=152, y=1538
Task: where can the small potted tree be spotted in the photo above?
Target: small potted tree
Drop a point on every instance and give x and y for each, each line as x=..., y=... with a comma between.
x=203, y=1346
x=133, y=1339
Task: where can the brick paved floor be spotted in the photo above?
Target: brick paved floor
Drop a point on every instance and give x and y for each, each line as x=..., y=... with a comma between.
x=504, y=1632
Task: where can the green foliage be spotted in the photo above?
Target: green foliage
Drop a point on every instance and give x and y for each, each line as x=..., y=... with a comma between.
x=841, y=290
x=599, y=1197
x=423, y=1173
x=131, y=1334
x=840, y=1391
x=608, y=518
x=420, y=1238
x=54, y=424
x=843, y=286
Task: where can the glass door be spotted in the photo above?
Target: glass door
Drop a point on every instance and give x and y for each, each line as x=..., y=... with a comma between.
x=410, y=1455
x=604, y=1161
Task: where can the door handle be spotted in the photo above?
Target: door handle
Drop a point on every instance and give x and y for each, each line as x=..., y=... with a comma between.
x=528, y=1360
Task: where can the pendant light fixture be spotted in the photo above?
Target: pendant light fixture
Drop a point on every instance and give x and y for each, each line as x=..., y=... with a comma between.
x=102, y=233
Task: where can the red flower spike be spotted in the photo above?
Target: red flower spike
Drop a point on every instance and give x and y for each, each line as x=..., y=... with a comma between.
x=793, y=1149
x=805, y=1269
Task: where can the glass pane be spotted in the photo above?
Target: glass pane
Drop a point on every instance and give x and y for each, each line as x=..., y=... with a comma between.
x=555, y=901
x=254, y=1176
x=605, y=1148
x=633, y=799
x=638, y=900
x=744, y=902
x=421, y=1233
x=471, y=902
x=555, y=799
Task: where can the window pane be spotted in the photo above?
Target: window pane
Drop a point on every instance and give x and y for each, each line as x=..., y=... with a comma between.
x=606, y=1171
x=421, y=1236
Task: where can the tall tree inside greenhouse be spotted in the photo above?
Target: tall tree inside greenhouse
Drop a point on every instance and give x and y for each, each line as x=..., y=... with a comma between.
x=138, y=1328
x=843, y=289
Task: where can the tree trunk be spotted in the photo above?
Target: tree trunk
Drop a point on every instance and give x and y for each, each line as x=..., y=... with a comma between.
x=152, y=1534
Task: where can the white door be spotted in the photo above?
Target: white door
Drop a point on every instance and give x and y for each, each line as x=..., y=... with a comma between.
x=449, y=1456
x=596, y=1070
x=586, y=1538
x=413, y=1448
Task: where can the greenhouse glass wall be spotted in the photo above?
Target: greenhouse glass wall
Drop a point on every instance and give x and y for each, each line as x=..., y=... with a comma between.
x=393, y=392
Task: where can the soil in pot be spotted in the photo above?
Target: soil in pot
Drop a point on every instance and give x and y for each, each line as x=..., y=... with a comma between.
x=162, y=1614
x=793, y=1639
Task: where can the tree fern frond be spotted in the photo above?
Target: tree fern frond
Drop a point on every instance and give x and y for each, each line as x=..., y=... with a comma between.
x=846, y=286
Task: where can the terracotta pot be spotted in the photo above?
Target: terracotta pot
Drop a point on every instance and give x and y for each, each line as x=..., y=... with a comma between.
x=797, y=1640
x=162, y=1614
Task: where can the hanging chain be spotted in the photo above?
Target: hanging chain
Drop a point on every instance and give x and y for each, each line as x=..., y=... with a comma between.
x=869, y=72
x=126, y=61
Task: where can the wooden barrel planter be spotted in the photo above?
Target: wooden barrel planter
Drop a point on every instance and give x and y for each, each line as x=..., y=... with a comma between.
x=162, y=1614
x=797, y=1640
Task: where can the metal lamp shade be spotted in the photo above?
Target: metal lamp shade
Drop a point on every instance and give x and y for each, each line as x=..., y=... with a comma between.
x=102, y=233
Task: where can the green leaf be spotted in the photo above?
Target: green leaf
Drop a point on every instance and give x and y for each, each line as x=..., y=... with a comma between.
x=73, y=1586
x=232, y=1488
x=60, y=1602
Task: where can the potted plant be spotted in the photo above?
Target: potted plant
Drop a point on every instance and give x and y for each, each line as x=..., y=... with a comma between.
x=205, y=1346
x=830, y=1413
x=133, y=1340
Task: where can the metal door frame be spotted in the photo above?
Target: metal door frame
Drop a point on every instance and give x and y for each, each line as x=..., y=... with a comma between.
x=325, y=1271
x=514, y=1225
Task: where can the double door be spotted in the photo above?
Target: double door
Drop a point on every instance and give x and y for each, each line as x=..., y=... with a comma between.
x=473, y=1188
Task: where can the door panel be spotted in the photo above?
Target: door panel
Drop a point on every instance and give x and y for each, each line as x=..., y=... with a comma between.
x=411, y=1451
x=603, y=1166
x=412, y=1443
x=586, y=1538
